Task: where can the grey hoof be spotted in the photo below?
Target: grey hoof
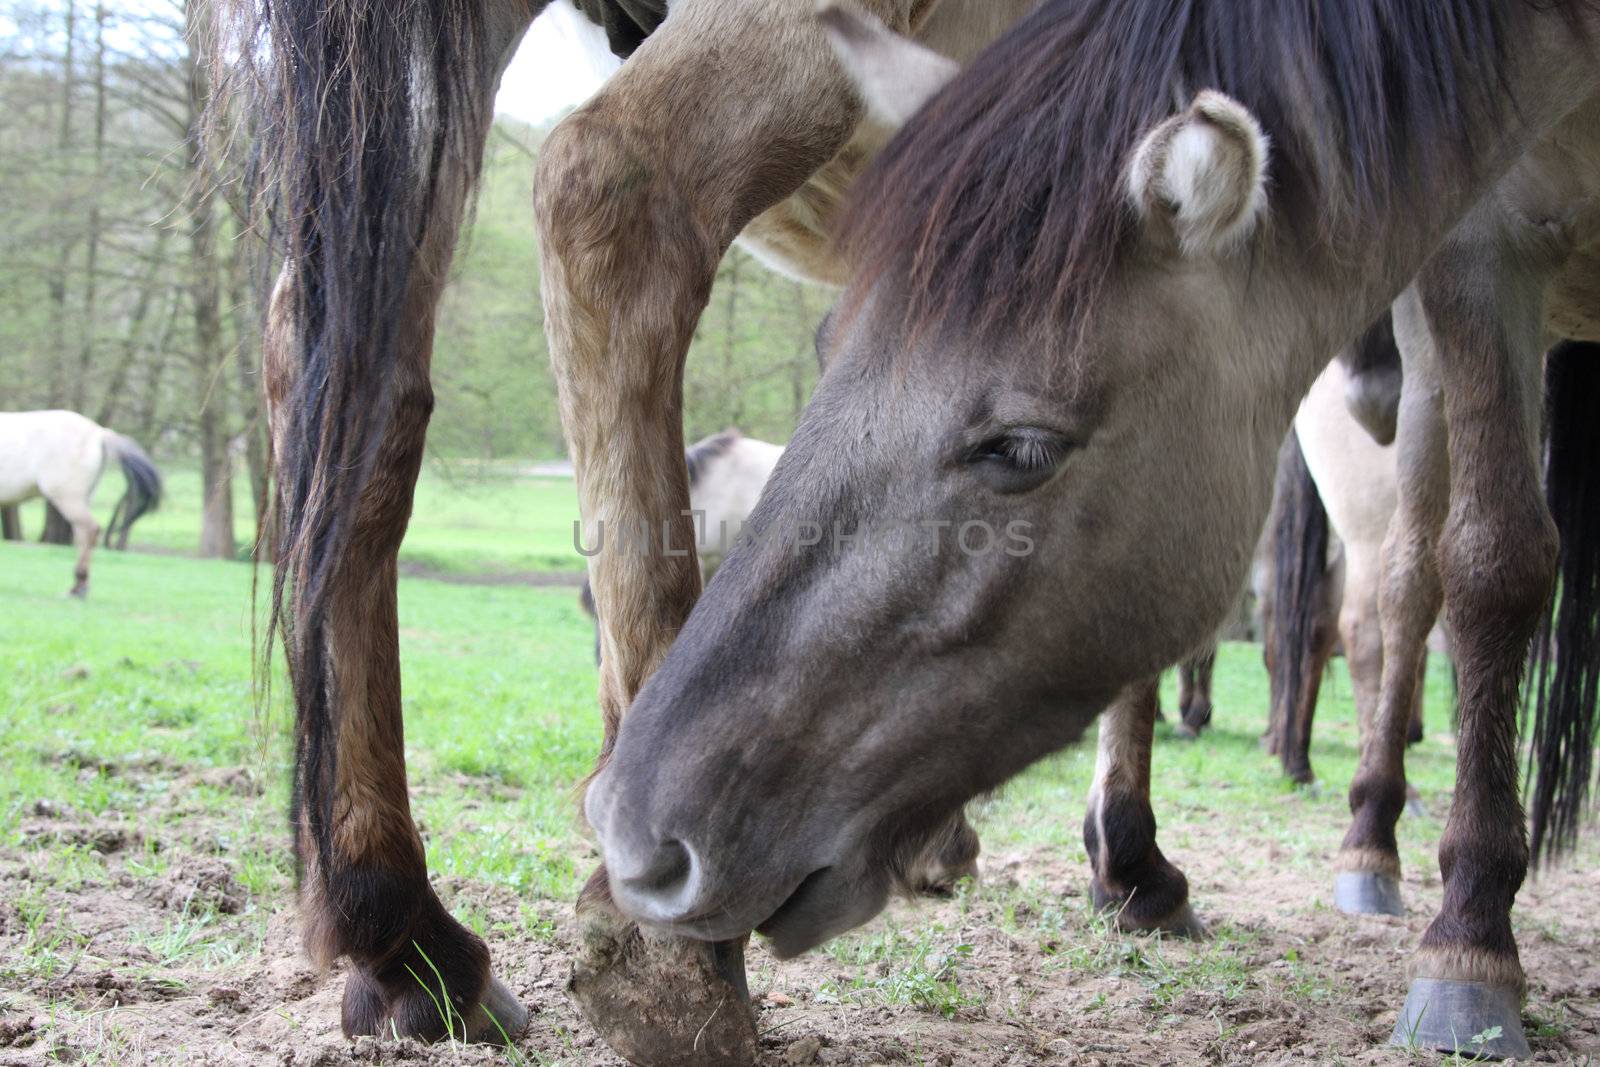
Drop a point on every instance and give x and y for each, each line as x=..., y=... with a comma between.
x=1184, y=732
x=1415, y=808
x=1367, y=893
x=499, y=1016
x=1474, y=1019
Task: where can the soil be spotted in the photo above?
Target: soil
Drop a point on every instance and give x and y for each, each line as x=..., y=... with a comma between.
x=1288, y=981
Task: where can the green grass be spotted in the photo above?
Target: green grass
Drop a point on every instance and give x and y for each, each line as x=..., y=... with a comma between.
x=139, y=702
x=154, y=671
x=469, y=519
x=104, y=701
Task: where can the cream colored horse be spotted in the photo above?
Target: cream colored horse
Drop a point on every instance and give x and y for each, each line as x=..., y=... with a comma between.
x=60, y=456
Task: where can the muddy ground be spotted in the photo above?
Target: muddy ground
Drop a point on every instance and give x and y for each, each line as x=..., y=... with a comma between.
x=1011, y=971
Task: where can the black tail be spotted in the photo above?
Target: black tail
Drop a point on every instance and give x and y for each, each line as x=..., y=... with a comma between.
x=143, y=494
x=1565, y=675
x=364, y=114
x=1296, y=620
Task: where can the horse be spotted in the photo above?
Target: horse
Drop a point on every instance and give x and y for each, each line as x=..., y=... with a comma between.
x=60, y=456
x=1334, y=496
x=1094, y=275
x=726, y=474
x=729, y=119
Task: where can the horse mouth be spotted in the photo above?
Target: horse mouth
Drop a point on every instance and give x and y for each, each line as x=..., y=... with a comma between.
x=787, y=926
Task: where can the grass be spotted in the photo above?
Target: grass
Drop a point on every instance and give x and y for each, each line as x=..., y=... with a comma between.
x=153, y=672
x=105, y=701
x=136, y=707
x=468, y=520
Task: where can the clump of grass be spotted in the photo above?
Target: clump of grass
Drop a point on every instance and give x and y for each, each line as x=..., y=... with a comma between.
x=896, y=969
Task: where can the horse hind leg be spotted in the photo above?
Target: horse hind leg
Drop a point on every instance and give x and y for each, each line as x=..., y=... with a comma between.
x=1497, y=559
x=1367, y=869
x=85, y=533
x=1132, y=880
x=364, y=890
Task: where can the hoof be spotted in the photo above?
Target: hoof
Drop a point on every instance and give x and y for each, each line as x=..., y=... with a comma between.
x=1415, y=808
x=661, y=1001
x=1367, y=893
x=498, y=1017
x=1184, y=732
x=1473, y=1019
x=1182, y=923
x=418, y=1011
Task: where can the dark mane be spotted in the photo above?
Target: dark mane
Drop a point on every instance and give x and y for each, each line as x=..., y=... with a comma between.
x=1004, y=196
x=700, y=454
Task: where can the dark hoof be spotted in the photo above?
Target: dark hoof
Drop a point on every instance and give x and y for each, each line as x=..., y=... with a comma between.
x=418, y=1010
x=1367, y=893
x=1181, y=923
x=1474, y=1019
x=660, y=1001
x=498, y=1017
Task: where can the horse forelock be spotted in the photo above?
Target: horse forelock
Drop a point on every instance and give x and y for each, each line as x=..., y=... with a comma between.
x=1004, y=200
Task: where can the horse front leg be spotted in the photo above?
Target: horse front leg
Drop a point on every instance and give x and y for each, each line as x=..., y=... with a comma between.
x=717, y=117
x=1497, y=557
x=1132, y=880
x=1367, y=869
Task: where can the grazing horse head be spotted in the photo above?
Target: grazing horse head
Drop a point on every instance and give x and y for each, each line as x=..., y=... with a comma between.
x=1096, y=273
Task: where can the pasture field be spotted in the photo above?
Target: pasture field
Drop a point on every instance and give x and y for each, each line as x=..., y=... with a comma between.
x=146, y=910
x=480, y=520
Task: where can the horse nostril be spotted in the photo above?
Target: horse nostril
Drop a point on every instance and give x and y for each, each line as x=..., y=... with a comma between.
x=667, y=870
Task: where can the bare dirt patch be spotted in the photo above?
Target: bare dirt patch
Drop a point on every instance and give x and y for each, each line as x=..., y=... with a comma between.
x=162, y=954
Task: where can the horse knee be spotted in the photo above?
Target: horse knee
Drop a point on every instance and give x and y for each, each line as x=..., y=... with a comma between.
x=612, y=216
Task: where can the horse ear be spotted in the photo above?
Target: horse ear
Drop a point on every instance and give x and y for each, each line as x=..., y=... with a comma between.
x=894, y=74
x=1203, y=175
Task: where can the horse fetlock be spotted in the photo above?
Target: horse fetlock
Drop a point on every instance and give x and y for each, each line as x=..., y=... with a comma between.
x=433, y=984
x=1368, y=860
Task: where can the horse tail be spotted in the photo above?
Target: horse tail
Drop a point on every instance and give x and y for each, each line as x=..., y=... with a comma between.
x=143, y=494
x=1565, y=675
x=362, y=117
x=1296, y=612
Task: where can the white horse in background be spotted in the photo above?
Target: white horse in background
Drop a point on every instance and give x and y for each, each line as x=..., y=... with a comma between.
x=60, y=456
x=727, y=472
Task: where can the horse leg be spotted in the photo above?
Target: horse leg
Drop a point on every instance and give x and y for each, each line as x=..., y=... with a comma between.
x=364, y=891
x=85, y=532
x=1194, y=691
x=1132, y=879
x=638, y=194
x=1497, y=558
x=1367, y=869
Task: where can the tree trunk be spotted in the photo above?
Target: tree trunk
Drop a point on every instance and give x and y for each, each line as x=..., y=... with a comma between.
x=205, y=298
x=10, y=523
x=91, y=275
x=57, y=530
x=254, y=401
x=56, y=282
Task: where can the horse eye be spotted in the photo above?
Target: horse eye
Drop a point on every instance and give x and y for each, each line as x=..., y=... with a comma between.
x=1027, y=451
x=1021, y=459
